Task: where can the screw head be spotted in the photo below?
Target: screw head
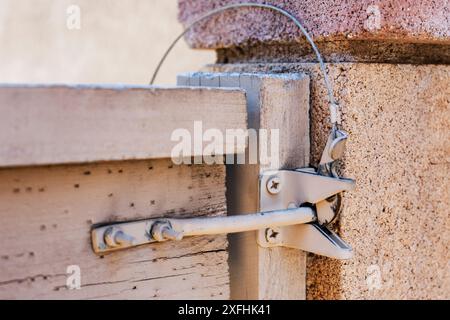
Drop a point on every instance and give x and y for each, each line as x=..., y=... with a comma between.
x=273, y=235
x=274, y=185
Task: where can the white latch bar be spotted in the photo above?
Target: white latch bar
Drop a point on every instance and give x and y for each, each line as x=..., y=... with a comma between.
x=248, y=222
x=292, y=204
x=130, y=234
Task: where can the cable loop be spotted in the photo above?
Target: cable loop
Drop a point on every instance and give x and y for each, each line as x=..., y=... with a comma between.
x=334, y=109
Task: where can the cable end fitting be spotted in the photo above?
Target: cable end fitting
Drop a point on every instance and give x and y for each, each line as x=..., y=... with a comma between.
x=335, y=114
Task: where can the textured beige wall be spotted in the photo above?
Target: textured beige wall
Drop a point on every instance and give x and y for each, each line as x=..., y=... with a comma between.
x=337, y=20
x=401, y=31
x=397, y=219
x=119, y=41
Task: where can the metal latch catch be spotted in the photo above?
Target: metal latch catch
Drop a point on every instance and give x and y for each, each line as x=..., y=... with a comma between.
x=304, y=187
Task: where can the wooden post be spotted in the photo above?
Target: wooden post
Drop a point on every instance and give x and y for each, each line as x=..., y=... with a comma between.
x=274, y=101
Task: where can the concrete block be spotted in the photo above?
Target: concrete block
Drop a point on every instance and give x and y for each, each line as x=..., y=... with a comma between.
x=355, y=30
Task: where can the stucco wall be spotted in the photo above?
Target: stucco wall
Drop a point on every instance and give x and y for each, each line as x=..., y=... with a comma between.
x=353, y=30
x=118, y=41
x=397, y=218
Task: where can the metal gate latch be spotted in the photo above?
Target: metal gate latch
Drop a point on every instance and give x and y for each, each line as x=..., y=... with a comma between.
x=304, y=188
x=292, y=202
x=319, y=188
x=295, y=207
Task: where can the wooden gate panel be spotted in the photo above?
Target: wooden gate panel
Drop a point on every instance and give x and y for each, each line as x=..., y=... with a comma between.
x=58, y=179
x=47, y=214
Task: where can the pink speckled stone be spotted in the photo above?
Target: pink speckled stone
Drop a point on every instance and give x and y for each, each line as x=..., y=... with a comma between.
x=413, y=21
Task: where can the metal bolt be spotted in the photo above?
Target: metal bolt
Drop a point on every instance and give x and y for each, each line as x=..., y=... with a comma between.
x=162, y=230
x=274, y=185
x=273, y=235
x=115, y=237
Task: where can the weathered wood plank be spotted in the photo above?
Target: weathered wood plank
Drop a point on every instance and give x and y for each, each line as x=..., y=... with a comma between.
x=274, y=101
x=284, y=104
x=47, y=212
x=77, y=124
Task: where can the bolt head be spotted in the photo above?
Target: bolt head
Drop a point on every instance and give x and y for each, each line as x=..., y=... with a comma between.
x=274, y=185
x=273, y=235
x=110, y=237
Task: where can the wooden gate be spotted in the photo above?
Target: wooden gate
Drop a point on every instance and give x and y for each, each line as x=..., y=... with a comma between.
x=72, y=157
